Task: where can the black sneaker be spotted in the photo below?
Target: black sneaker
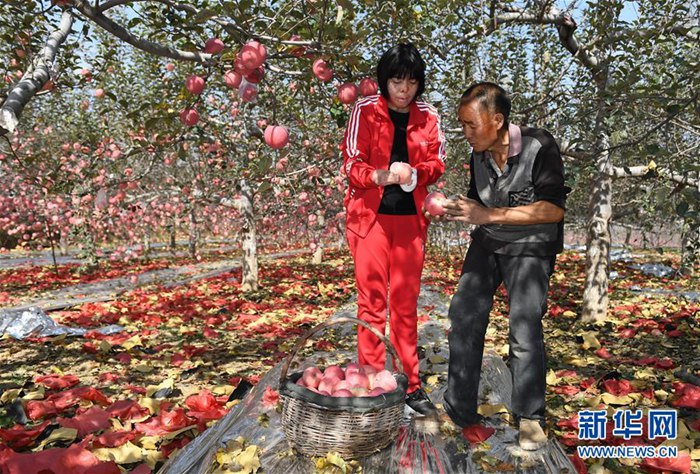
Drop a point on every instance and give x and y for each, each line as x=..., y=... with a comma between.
x=418, y=400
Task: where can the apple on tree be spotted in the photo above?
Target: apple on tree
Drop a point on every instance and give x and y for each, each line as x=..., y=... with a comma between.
x=322, y=71
x=368, y=86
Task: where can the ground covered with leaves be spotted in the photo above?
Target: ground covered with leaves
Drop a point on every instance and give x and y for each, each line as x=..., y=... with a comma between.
x=126, y=402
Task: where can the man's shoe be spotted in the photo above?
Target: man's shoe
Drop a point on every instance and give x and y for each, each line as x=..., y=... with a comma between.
x=418, y=400
x=531, y=436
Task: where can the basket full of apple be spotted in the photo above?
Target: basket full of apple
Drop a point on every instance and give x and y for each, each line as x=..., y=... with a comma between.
x=353, y=410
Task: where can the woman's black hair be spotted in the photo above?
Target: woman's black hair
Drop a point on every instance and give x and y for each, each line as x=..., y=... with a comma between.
x=402, y=61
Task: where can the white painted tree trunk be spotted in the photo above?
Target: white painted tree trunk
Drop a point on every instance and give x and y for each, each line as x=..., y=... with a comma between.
x=249, y=281
x=595, y=293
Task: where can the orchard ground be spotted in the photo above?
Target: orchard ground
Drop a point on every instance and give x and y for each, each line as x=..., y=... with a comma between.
x=126, y=402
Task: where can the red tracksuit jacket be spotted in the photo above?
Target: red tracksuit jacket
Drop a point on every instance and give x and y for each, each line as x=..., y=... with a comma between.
x=367, y=145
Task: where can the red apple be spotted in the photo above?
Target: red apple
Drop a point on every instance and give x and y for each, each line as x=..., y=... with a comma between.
x=376, y=392
x=256, y=75
x=322, y=71
x=384, y=380
x=248, y=92
x=312, y=377
x=276, y=136
x=357, y=379
x=343, y=393
x=347, y=93
x=297, y=51
x=402, y=170
x=342, y=385
x=189, y=116
x=253, y=54
x=169, y=67
x=328, y=384
x=333, y=369
x=194, y=84
x=433, y=203
x=232, y=79
x=99, y=93
x=368, y=86
x=213, y=46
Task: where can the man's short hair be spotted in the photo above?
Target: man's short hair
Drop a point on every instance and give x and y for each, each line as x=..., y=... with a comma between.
x=490, y=96
x=402, y=61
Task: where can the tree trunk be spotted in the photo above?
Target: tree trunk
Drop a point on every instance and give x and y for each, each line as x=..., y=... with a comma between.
x=194, y=232
x=172, y=243
x=317, y=258
x=690, y=248
x=249, y=281
x=146, y=244
x=90, y=249
x=595, y=293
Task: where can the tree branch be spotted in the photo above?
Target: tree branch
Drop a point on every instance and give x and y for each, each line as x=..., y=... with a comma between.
x=564, y=23
x=149, y=46
x=35, y=78
x=647, y=170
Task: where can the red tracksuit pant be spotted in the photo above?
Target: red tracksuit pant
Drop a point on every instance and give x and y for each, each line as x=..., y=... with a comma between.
x=391, y=254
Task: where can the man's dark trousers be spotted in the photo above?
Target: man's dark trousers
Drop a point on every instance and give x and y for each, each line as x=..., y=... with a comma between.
x=526, y=279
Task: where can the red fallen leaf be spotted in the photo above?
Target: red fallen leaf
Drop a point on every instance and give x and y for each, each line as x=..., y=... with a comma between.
x=665, y=364
x=72, y=396
x=588, y=383
x=695, y=425
x=618, y=388
x=477, y=433
x=37, y=409
x=113, y=439
x=687, y=395
x=108, y=467
x=270, y=397
x=89, y=348
x=571, y=423
x=627, y=333
x=136, y=389
x=126, y=410
x=323, y=345
x=568, y=390
x=578, y=463
x=681, y=463
x=210, y=333
x=603, y=353
x=566, y=373
x=165, y=422
x=177, y=359
x=57, y=382
x=646, y=361
x=18, y=436
x=674, y=333
x=92, y=420
x=108, y=377
x=123, y=358
x=180, y=443
x=73, y=459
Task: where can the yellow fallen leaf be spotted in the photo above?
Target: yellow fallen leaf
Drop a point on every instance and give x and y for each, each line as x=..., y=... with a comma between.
x=144, y=368
x=610, y=399
x=149, y=442
x=488, y=410
x=151, y=404
x=568, y=314
x=592, y=402
x=695, y=454
x=105, y=346
x=437, y=359
x=661, y=395
x=165, y=384
x=9, y=395
x=221, y=390
x=174, y=434
x=37, y=394
x=433, y=380
x=125, y=454
x=552, y=378
x=248, y=461
x=645, y=374
x=59, y=434
x=576, y=361
x=590, y=341
x=132, y=342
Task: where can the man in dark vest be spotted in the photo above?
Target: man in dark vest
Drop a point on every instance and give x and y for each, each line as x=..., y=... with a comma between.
x=516, y=198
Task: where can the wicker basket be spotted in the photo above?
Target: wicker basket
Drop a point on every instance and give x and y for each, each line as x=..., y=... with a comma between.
x=353, y=427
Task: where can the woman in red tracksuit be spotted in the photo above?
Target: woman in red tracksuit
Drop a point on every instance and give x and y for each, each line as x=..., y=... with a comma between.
x=386, y=229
